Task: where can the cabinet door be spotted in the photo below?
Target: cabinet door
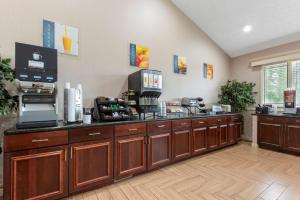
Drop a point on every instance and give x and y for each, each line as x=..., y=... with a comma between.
x=181, y=144
x=36, y=174
x=213, y=137
x=223, y=140
x=238, y=131
x=130, y=155
x=159, y=150
x=90, y=164
x=232, y=133
x=269, y=134
x=292, y=137
x=199, y=140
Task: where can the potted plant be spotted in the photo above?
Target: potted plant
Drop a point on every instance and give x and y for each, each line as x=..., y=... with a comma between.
x=8, y=102
x=237, y=94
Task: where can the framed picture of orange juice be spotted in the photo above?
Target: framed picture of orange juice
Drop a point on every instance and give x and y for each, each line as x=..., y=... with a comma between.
x=180, y=65
x=208, y=71
x=61, y=37
x=139, y=56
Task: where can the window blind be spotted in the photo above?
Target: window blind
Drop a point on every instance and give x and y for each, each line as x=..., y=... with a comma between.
x=275, y=82
x=296, y=80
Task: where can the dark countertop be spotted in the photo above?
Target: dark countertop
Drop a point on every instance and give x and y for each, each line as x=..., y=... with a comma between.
x=62, y=126
x=279, y=115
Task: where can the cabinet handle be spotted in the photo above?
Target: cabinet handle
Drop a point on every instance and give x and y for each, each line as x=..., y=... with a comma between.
x=66, y=155
x=269, y=118
x=161, y=126
x=182, y=124
x=132, y=129
x=201, y=122
x=298, y=121
x=41, y=140
x=93, y=134
x=219, y=120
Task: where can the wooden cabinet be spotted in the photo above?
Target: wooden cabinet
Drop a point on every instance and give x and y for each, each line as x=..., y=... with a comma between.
x=270, y=134
x=223, y=135
x=181, y=139
x=213, y=137
x=159, y=150
x=234, y=132
x=91, y=164
x=36, y=174
x=130, y=150
x=292, y=137
x=159, y=144
x=199, y=140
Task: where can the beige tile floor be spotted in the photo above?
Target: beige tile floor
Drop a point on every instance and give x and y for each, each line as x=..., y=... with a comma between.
x=239, y=172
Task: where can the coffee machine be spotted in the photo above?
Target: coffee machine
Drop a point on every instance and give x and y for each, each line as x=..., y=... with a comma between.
x=36, y=74
x=147, y=87
x=290, y=101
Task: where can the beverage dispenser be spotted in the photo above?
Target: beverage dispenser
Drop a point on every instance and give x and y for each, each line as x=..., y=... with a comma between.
x=147, y=86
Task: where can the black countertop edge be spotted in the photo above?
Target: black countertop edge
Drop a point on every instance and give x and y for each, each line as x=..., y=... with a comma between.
x=62, y=126
x=279, y=115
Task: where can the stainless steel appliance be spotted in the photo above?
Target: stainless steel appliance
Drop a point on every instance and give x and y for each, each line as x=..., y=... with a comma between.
x=147, y=87
x=36, y=74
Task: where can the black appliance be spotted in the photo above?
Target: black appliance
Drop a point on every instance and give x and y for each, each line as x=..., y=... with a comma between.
x=147, y=87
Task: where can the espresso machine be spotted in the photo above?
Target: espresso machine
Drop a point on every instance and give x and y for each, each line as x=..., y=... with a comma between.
x=147, y=87
x=290, y=101
x=36, y=74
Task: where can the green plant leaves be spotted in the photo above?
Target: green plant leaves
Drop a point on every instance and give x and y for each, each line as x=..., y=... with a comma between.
x=7, y=102
x=237, y=94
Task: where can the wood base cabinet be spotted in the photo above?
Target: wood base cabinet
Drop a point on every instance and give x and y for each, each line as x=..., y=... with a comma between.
x=181, y=144
x=292, y=137
x=199, y=140
x=234, y=132
x=223, y=135
x=279, y=133
x=130, y=156
x=91, y=164
x=36, y=174
x=213, y=137
x=159, y=150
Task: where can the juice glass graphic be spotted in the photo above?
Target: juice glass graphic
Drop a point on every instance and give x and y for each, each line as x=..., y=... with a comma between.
x=67, y=41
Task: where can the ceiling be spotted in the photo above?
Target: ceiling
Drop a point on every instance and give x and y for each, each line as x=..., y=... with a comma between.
x=274, y=22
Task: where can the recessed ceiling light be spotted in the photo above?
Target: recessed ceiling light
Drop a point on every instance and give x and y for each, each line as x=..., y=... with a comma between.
x=247, y=28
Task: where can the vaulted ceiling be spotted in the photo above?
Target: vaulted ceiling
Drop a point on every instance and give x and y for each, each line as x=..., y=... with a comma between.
x=273, y=22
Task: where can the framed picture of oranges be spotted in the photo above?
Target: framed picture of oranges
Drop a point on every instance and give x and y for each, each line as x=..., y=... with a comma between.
x=208, y=71
x=139, y=56
x=180, y=64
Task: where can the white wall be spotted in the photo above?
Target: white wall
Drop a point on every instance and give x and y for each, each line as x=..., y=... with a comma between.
x=106, y=27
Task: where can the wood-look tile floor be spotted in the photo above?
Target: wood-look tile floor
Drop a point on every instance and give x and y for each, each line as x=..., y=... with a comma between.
x=239, y=172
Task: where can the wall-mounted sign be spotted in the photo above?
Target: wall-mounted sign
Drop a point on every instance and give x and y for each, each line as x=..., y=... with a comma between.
x=61, y=37
x=139, y=56
x=180, y=65
x=208, y=71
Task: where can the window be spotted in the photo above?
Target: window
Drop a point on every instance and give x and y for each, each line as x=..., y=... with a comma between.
x=278, y=77
x=275, y=82
x=296, y=79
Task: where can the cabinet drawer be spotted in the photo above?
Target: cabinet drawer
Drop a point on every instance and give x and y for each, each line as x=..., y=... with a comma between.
x=91, y=133
x=181, y=124
x=271, y=119
x=293, y=121
x=235, y=118
x=130, y=129
x=196, y=123
x=35, y=140
x=158, y=127
x=216, y=120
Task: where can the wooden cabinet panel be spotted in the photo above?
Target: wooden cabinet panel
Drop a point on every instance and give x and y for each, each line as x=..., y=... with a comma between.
x=35, y=140
x=292, y=137
x=234, y=132
x=159, y=150
x=90, y=133
x=213, y=137
x=269, y=134
x=130, y=155
x=182, y=124
x=91, y=164
x=223, y=133
x=199, y=140
x=181, y=144
x=197, y=123
x=159, y=126
x=130, y=129
x=36, y=174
